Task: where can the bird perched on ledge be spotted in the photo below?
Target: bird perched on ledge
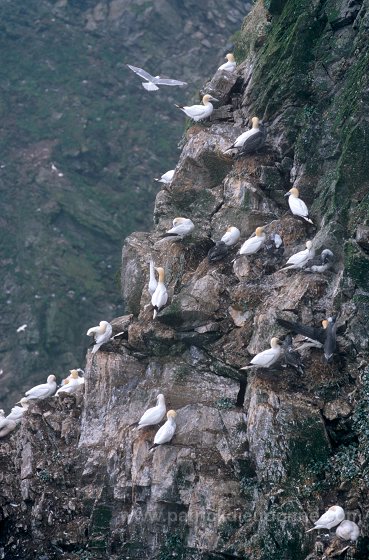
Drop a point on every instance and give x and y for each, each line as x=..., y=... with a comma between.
x=324, y=337
x=40, y=392
x=181, y=228
x=230, y=65
x=160, y=296
x=199, y=112
x=254, y=243
x=298, y=206
x=221, y=248
x=332, y=517
x=322, y=263
x=299, y=260
x=153, y=415
x=102, y=334
x=167, y=177
x=291, y=356
x=268, y=357
x=251, y=140
x=166, y=432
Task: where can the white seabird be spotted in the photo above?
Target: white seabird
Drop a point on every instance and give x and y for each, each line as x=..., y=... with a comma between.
x=199, y=112
x=2, y=418
x=252, y=139
x=152, y=82
x=22, y=328
x=17, y=412
x=322, y=263
x=7, y=426
x=230, y=65
x=221, y=248
x=70, y=385
x=166, y=432
x=181, y=227
x=297, y=206
x=268, y=357
x=160, y=296
x=348, y=531
x=42, y=391
x=153, y=415
x=166, y=177
x=299, y=260
x=78, y=371
x=254, y=243
x=153, y=283
x=102, y=334
x=332, y=517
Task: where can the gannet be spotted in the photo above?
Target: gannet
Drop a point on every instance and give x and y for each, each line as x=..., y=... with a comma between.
x=297, y=206
x=221, y=248
x=322, y=263
x=268, y=357
x=102, y=334
x=325, y=336
x=153, y=283
x=291, y=356
x=2, y=419
x=153, y=82
x=166, y=177
x=329, y=519
x=71, y=384
x=17, y=412
x=160, y=296
x=199, y=112
x=8, y=425
x=254, y=243
x=22, y=328
x=166, y=432
x=299, y=260
x=42, y=391
x=230, y=65
x=181, y=227
x=348, y=531
x=252, y=139
x=153, y=415
x=78, y=371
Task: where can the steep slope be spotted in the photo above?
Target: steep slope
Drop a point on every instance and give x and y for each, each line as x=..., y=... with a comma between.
x=81, y=141
x=257, y=455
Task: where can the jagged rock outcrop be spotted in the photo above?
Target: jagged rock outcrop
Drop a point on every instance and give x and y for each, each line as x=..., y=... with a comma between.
x=257, y=455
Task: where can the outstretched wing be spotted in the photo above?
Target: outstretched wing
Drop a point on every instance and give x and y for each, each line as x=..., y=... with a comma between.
x=169, y=82
x=141, y=72
x=311, y=332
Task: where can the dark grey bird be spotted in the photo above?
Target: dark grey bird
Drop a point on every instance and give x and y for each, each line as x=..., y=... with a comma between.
x=322, y=263
x=291, y=356
x=251, y=140
x=218, y=252
x=324, y=337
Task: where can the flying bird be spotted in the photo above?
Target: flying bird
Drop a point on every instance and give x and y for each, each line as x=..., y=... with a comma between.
x=152, y=82
x=221, y=248
x=299, y=260
x=322, y=263
x=43, y=391
x=230, y=65
x=298, y=206
x=153, y=415
x=329, y=519
x=268, y=357
x=254, y=243
x=181, y=228
x=251, y=140
x=348, y=531
x=101, y=334
x=324, y=337
x=167, y=177
x=160, y=296
x=22, y=328
x=153, y=283
x=166, y=432
x=199, y=112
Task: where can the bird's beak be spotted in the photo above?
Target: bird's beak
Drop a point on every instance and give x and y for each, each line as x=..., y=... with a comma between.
x=213, y=98
x=287, y=193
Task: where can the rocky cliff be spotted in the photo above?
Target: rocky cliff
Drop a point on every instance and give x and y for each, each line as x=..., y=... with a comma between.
x=257, y=456
x=81, y=142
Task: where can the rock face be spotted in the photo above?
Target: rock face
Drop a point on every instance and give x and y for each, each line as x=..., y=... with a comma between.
x=258, y=455
x=76, y=162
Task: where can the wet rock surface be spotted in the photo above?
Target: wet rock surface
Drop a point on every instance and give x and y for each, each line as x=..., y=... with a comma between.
x=258, y=455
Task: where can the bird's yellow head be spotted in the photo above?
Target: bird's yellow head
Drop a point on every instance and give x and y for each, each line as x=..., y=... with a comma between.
x=230, y=57
x=255, y=122
x=177, y=221
x=274, y=342
x=74, y=374
x=325, y=323
x=161, y=273
x=259, y=231
x=294, y=192
x=171, y=414
x=51, y=378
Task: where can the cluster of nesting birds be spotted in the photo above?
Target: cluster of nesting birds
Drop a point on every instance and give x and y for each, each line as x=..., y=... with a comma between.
x=69, y=385
x=325, y=337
